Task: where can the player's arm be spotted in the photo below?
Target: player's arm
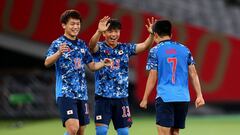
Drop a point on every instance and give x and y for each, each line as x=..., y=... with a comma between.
x=196, y=84
x=49, y=61
x=149, y=41
x=93, y=66
x=152, y=78
x=102, y=26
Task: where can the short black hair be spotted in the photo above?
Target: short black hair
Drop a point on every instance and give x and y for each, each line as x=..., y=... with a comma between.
x=66, y=15
x=162, y=28
x=114, y=24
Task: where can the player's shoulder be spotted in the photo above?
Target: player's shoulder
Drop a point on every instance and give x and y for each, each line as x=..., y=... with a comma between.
x=81, y=41
x=129, y=47
x=181, y=46
x=58, y=41
x=100, y=43
x=125, y=44
x=155, y=48
x=103, y=43
x=119, y=43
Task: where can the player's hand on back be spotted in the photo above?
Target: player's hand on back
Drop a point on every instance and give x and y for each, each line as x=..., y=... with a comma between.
x=102, y=25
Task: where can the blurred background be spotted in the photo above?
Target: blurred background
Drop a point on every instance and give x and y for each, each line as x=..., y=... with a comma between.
x=209, y=28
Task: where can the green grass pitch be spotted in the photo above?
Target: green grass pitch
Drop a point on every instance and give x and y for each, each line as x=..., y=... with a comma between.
x=143, y=125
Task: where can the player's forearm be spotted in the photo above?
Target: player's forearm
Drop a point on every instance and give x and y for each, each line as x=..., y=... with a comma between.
x=147, y=92
x=98, y=65
x=93, y=41
x=52, y=59
x=195, y=80
x=93, y=66
x=149, y=41
x=146, y=44
x=196, y=85
x=150, y=86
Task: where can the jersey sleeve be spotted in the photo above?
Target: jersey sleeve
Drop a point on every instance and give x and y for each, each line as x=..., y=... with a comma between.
x=97, y=53
x=52, y=49
x=87, y=55
x=152, y=63
x=131, y=49
x=190, y=59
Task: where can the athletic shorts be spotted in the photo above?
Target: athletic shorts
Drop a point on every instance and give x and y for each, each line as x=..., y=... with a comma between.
x=73, y=108
x=171, y=114
x=111, y=108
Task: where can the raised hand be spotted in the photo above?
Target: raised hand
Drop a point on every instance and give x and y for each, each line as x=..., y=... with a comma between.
x=150, y=24
x=102, y=25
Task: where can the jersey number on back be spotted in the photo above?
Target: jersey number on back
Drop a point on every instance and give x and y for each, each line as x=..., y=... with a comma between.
x=174, y=66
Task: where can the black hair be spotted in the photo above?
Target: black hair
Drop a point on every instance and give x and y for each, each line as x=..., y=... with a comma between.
x=162, y=28
x=66, y=15
x=114, y=24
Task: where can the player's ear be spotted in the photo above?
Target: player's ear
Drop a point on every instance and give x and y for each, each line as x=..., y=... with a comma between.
x=63, y=25
x=104, y=34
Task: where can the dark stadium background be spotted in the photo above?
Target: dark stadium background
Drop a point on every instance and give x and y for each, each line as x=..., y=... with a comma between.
x=27, y=27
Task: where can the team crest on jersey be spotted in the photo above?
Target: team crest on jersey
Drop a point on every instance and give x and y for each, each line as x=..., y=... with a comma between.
x=120, y=52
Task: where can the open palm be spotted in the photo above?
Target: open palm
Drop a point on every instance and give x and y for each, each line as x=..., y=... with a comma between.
x=102, y=25
x=150, y=24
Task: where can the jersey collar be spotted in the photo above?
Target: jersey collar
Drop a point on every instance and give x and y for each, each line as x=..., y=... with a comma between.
x=167, y=40
x=74, y=42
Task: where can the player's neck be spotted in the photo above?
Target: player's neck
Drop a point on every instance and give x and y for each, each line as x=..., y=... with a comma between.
x=70, y=37
x=111, y=45
x=163, y=38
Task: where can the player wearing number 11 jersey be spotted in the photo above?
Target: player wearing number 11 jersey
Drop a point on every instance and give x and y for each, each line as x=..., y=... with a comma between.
x=170, y=63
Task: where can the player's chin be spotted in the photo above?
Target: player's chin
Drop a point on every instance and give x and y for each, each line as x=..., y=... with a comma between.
x=112, y=42
x=74, y=34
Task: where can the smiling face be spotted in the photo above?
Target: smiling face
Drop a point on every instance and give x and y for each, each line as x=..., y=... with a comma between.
x=111, y=37
x=72, y=28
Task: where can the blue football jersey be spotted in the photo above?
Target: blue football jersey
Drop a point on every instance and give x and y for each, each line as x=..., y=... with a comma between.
x=70, y=69
x=171, y=60
x=112, y=82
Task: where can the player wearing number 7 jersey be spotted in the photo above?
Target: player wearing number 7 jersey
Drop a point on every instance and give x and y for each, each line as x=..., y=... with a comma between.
x=170, y=63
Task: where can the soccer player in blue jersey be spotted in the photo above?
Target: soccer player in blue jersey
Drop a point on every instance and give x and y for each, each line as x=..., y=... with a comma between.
x=170, y=63
x=111, y=83
x=70, y=54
